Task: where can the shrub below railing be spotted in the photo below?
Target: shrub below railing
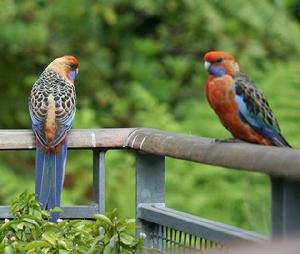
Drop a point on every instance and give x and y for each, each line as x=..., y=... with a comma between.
x=31, y=232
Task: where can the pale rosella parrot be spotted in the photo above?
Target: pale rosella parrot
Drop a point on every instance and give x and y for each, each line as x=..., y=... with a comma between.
x=52, y=106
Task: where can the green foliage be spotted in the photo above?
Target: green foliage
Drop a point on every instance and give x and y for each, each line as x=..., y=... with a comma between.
x=31, y=232
x=141, y=65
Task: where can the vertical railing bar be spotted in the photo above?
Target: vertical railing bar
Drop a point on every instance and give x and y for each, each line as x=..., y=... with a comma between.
x=161, y=233
x=163, y=238
x=285, y=207
x=200, y=247
x=171, y=239
x=179, y=240
x=150, y=189
x=158, y=237
x=175, y=241
x=99, y=179
x=277, y=206
x=168, y=239
x=195, y=242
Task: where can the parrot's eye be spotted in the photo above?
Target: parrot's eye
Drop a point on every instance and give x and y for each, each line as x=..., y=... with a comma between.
x=219, y=60
x=73, y=66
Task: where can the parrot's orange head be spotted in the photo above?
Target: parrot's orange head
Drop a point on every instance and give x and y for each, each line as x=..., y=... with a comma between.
x=218, y=63
x=67, y=66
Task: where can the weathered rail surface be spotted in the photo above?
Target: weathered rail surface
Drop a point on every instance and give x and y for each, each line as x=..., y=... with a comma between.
x=169, y=228
x=274, y=161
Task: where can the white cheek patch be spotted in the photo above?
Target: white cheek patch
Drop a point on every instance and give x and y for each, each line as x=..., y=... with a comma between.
x=236, y=67
x=207, y=65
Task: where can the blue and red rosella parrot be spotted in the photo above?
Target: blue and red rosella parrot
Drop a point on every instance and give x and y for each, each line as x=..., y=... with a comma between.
x=242, y=109
x=52, y=106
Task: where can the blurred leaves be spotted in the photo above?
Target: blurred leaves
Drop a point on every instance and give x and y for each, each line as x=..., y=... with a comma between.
x=141, y=65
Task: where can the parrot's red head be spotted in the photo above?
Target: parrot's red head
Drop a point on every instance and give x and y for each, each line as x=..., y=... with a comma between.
x=67, y=66
x=218, y=63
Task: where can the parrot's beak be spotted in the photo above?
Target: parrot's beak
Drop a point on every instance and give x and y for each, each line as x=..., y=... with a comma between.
x=207, y=65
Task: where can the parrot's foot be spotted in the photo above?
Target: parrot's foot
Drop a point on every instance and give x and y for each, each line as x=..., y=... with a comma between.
x=230, y=140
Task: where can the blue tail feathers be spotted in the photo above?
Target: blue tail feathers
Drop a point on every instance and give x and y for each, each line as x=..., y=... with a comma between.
x=49, y=178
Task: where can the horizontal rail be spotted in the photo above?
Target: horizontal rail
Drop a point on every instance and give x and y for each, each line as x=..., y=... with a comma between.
x=70, y=212
x=207, y=229
x=287, y=246
x=267, y=159
x=77, y=138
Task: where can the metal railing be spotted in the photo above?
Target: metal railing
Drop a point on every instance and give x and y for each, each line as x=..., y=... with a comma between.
x=168, y=230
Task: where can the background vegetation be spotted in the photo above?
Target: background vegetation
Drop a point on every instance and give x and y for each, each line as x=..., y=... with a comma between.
x=141, y=65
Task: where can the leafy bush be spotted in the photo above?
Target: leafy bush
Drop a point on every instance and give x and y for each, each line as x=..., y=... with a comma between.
x=31, y=232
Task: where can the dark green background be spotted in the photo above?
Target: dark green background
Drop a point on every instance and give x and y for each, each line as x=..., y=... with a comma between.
x=141, y=65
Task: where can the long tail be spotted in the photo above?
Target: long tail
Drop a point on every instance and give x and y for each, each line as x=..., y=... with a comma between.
x=49, y=178
x=279, y=140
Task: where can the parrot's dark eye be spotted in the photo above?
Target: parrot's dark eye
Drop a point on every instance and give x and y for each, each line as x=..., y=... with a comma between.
x=219, y=60
x=72, y=65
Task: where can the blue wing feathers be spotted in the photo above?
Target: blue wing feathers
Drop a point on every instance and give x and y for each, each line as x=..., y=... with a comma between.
x=58, y=180
x=255, y=111
x=275, y=137
x=43, y=165
x=49, y=177
x=270, y=132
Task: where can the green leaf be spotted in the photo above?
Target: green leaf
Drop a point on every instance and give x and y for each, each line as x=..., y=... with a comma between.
x=6, y=225
x=108, y=249
x=60, y=251
x=126, y=239
x=32, y=217
x=130, y=221
x=97, y=240
x=45, y=213
x=103, y=218
x=9, y=250
x=21, y=225
x=36, y=244
x=31, y=221
x=56, y=210
x=62, y=244
x=50, y=237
